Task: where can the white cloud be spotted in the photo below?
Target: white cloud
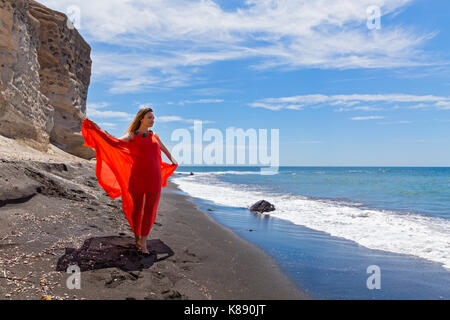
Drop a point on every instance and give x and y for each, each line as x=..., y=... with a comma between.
x=96, y=109
x=98, y=105
x=169, y=118
x=367, y=108
x=444, y=105
x=275, y=107
x=145, y=105
x=395, y=122
x=357, y=101
x=170, y=39
x=420, y=141
x=360, y=108
x=367, y=118
x=418, y=106
x=208, y=91
x=180, y=119
x=108, y=124
x=200, y=101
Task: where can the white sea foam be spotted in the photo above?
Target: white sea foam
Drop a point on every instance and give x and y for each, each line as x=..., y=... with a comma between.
x=219, y=172
x=412, y=234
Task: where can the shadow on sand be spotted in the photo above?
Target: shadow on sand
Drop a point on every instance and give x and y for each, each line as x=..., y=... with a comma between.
x=114, y=251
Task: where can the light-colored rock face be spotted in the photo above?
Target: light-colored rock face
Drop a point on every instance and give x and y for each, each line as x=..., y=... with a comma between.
x=45, y=73
x=25, y=113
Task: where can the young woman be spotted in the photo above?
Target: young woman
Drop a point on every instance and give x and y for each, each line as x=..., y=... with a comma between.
x=131, y=166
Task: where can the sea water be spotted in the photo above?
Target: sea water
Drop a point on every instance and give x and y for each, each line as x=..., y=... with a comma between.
x=331, y=225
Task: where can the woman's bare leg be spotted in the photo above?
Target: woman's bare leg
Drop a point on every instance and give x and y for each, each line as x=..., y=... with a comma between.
x=142, y=239
x=150, y=208
x=138, y=199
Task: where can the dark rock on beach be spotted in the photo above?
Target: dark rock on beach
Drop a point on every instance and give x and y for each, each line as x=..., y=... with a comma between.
x=262, y=206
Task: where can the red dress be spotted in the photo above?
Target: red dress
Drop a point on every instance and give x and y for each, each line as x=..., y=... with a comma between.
x=124, y=168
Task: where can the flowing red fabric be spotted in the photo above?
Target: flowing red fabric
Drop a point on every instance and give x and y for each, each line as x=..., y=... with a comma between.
x=127, y=166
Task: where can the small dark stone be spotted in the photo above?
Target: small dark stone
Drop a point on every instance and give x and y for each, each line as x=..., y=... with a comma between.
x=262, y=206
x=192, y=174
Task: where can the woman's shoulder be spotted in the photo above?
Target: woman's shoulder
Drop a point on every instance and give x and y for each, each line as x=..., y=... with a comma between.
x=128, y=136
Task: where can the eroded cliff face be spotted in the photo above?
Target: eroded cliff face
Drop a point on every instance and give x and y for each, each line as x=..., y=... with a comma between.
x=25, y=112
x=45, y=70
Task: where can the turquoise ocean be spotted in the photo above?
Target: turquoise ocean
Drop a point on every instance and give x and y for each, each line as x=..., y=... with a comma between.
x=332, y=225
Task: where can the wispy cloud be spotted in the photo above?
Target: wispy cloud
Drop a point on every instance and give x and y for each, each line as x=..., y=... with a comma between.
x=275, y=107
x=444, y=105
x=358, y=102
x=361, y=108
x=98, y=105
x=210, y=91
x=200, y=101
x=367, y=118
x=442, y=120
x=420, y=141
x=108, y=124
x=395, y=122
x=180, y=119
x=172, y=39
x=97, y=109
x=366, y=108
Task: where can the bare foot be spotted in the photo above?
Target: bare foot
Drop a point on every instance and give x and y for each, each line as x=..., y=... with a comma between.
x=139, y=243
x=143, y=245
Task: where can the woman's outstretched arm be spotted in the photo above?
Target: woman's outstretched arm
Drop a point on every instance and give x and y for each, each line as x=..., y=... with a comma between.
x=166, y=151
x=113, y=141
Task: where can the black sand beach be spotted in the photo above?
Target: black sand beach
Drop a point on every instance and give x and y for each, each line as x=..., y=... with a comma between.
x=53, y=214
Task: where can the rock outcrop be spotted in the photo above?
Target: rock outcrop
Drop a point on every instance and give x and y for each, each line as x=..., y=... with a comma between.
x=262, y=206
x=45, y=70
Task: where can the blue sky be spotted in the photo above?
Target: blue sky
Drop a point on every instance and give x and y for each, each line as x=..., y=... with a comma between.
x=340, y=94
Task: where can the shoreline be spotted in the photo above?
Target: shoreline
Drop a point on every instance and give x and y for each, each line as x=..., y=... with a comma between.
x=54, y=214
x=254, y=274
x=324, y=265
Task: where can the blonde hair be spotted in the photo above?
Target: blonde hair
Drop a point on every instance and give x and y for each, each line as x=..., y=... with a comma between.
x=137, y=120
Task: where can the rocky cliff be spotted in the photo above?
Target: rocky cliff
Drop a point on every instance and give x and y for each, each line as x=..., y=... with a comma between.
x=45, y=70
